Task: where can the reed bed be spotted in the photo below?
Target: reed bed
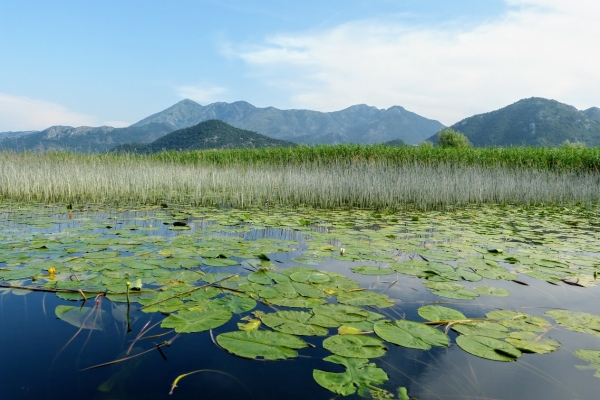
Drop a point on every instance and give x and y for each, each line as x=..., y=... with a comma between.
x=337, y=182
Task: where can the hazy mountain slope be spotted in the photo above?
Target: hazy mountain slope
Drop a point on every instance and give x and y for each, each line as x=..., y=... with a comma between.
x=357, y=124
x=4, y=135
x=530, y=122
x=593, y=113
x=211, y=134
x=85, y=138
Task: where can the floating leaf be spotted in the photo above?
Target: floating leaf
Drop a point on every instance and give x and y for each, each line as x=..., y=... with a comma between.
x=341, y=313
x=371, y=270
x=359, y=374
x=487, y=347
x=491, y=291
x=235, y=304
x=355, y=346
x=252, y=325
x=261, y=344
x=482, y=328
x=530, y=342
x=411, y=334
x=440, y=313
x=81, y=317
x=577, y=321
x=298, y=302
x=196, y=321
x=293, y=322
x=519, y=320
x=592, y=356
x=310, y=276
x=365, y=298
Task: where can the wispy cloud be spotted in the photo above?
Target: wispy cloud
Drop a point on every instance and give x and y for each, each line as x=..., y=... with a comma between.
x=201, y=93
x=22, y=113
x=538, y=48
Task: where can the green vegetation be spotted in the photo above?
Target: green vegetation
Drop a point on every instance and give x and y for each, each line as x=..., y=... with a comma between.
x=377, y=177
x=448, y=137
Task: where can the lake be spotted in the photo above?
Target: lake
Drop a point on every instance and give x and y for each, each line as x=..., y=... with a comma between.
x=495, y=302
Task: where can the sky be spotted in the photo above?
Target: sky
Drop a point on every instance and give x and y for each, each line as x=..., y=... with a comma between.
x=114, y=62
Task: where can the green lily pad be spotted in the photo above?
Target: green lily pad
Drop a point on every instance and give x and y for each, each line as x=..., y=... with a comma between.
x=411, y=334
x=235, y=304
x=371, y=270
x=491, y=291
x=82, y=317
x=297, y=302
x=310, y=276
x=530, y=342
x=440, y=313
x=196, y=321
x=488, y=348
x=365, y=298
x=359, y=374
x=482, y=328
x=355, y=346
x=293, y=322
x=261, y=344
x=342, y=313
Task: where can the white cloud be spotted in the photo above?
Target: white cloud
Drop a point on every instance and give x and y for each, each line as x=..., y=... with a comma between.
x=22, y=113
x=540, y=48
x=201, y=93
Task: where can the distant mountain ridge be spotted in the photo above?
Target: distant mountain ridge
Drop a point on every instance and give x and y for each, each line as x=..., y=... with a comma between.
x=357, y=124
x=84, y=138
x=531, y=122
x=211, y=134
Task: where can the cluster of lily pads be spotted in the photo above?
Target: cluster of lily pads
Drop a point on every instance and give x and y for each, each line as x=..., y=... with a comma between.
x=204, y=267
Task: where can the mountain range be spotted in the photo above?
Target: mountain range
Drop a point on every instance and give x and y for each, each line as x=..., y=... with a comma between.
x=211, y=134
x=84, y=138
x=531, y=122
x=357, y=124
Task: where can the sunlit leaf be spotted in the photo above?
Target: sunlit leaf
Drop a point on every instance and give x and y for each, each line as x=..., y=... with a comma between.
x=355, y=346
x=359, y=374
x=196, y=321
x=261, y=344
x=411, y=334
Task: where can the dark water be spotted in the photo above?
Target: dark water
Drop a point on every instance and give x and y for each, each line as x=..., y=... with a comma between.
x=43, y=357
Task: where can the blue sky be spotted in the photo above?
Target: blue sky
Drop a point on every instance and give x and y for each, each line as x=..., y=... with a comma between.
x=84, y=62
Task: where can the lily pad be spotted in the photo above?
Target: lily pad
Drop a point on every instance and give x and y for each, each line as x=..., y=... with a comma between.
x=365, y=298
x=488, y=348
x=359, y=374
x=235, y=304
x=342, y=313
x=372, y=270
x=530, y=342
x=196, y=321
x=440, y=313
x=82, y=317
x=293, y=322
x=491, y=291
x=355, y=346
x=261, y=344
x=482, y=328
x=411, y=334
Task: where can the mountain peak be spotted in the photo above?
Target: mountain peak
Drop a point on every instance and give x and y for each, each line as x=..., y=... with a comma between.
x=534, y=121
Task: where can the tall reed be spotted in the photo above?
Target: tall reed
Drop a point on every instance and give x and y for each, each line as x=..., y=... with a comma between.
x=333, y=182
